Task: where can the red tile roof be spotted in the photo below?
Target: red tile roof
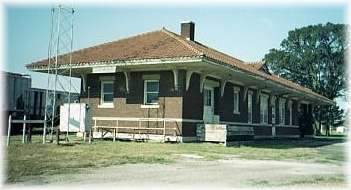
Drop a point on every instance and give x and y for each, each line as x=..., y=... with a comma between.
x=256, y=65
x=163, y=44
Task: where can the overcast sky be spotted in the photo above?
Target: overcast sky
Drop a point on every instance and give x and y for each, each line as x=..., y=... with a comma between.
x=245, y=32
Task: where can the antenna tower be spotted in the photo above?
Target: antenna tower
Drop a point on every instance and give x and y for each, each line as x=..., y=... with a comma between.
x=59, y=63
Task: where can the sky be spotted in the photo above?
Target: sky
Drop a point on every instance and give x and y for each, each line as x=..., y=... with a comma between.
x=243, y=31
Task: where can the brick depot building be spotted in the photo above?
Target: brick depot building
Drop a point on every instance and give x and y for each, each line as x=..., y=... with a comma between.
x=170, y=85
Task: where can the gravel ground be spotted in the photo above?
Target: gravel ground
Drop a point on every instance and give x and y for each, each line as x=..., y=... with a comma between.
x=192, y=170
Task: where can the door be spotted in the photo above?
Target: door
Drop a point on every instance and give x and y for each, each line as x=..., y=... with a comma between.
x=208, y=104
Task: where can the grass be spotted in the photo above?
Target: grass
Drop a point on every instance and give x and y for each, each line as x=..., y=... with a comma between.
x=37, y=159
x=330, y=180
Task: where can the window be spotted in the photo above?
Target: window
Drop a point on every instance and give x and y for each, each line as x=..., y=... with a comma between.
x=106, y=93
x=290, y=112
x=273, y=109
x=249, y=107
x=264, y=108
x=151, y=91
x=236, y=100
x=282, y=111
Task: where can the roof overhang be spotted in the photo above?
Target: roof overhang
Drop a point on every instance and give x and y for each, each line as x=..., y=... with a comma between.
x=136, y=64
x=198, y=64
x=261, y=82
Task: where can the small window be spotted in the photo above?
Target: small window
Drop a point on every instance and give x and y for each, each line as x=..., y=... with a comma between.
x=236, y=100
x=151, y=91
x=249, y=107
x=263, y=108
x=106, y=92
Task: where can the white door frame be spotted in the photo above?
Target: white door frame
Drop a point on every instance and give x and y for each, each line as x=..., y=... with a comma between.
x=208, y=115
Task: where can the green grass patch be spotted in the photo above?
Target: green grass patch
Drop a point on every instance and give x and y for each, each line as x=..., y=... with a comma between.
x=37, y=159
x=332, y=181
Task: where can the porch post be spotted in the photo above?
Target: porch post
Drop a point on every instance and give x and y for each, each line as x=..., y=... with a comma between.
x=9, y=131
x=24, y=129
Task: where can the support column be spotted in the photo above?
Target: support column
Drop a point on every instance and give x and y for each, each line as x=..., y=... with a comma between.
x=127, y=77
x=24, y=130
x=9, y=130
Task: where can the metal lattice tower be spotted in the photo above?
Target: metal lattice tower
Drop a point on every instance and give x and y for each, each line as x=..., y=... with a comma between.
x=59, y=63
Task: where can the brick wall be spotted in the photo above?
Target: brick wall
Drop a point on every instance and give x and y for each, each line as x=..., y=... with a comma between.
x=226, y=105
x=129, y=104
x=193, y=99
x=176, y=103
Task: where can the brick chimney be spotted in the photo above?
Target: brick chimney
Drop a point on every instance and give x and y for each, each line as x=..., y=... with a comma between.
x=188, y=30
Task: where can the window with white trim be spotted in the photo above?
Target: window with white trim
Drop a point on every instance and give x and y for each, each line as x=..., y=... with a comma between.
x=290, y=112
x=236, y=100
x=151, y=91
x=273, y=109
x=106, y=93
x=263, y=108
x=282, y=111
x=249, y=107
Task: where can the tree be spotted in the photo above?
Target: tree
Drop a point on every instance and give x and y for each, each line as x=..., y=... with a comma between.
x=313, y=56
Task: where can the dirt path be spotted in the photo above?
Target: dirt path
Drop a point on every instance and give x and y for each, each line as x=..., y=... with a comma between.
x=192, y=170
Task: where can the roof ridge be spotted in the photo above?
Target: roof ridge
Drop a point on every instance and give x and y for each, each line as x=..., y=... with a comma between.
x=182, y=41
